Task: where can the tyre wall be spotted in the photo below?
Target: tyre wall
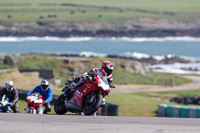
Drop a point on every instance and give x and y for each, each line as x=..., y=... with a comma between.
x=175, y=111
x=109, y=109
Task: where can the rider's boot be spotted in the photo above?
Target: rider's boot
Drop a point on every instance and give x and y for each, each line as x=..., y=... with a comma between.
x=69, y=91
x=103, y=102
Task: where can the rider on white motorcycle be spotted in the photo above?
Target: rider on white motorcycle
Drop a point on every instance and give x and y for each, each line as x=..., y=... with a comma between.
x=35, y=100
x=47, y=94
x=104, y=72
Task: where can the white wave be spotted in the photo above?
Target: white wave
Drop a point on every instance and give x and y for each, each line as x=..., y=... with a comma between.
x=158, y=58
x=135, y=55
x=138, y=55
x=8, y=39
x=92, y=54
x=178, y=68
x=156, y=39
x=143, y=55
x=47, y=38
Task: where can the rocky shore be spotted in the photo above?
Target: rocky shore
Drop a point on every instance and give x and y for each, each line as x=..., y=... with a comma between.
x=55, y=32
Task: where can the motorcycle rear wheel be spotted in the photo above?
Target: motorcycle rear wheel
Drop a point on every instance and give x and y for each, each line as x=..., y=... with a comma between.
x=89, y=109
x=59, y=106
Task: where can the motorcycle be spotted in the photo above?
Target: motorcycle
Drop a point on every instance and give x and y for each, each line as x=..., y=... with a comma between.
x=34, y=104
x=86, y=99
x=5, y=106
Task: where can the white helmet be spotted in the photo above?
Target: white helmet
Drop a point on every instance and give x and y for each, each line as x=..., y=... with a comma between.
x=9, y=85
x=44, y=84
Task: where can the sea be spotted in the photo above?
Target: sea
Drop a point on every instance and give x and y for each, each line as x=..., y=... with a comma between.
x=158, y=48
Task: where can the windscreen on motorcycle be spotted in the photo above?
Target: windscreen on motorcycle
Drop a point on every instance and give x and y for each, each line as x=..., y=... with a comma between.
x=103, y=82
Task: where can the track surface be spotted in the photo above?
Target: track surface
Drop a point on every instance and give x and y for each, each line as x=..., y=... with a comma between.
x=28, y=123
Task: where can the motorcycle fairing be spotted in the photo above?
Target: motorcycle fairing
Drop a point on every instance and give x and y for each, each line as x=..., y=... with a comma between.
x=88, y=87
x=81, y=92
x=5, y=106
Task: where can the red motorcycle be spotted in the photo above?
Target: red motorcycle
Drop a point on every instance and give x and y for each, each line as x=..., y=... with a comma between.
x=87, y=98
x=34, y=104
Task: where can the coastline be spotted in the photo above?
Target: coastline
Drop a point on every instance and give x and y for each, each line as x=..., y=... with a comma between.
x=63, y=33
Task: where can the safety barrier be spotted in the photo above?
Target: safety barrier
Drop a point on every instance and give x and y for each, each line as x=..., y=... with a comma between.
x=167, y=110
x=109, y=109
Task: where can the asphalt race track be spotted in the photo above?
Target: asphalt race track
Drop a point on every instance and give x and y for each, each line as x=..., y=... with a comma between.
x=28, y=123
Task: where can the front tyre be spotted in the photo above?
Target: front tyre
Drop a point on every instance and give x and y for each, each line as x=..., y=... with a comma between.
x=31, y=111
x=91, y=108
x=59, y=106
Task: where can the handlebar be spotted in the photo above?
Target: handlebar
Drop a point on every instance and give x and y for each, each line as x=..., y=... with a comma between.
x=90, y=77
x=112, y=86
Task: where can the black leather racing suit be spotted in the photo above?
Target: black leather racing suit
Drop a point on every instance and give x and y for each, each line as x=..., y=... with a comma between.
x=13, y=98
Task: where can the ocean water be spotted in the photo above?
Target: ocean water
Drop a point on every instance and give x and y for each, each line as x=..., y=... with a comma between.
x=182, y=46
x=158, y=48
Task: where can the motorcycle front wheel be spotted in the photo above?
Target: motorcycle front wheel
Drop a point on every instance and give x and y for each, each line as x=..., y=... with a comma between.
x=59, y=106
x=91, y=108
x=32, y=111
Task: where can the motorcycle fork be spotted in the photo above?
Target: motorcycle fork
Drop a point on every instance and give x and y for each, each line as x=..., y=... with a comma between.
x=92, y=96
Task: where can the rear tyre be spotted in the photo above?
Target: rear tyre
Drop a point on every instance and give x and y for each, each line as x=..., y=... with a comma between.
x=59, y=106
x=91, y=108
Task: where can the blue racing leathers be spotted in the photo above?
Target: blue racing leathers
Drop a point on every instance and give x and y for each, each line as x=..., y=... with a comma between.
x=47, y=95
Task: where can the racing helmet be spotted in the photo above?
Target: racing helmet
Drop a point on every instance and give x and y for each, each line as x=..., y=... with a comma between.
x=44, y=84
x=107, y=67
x=9, y=85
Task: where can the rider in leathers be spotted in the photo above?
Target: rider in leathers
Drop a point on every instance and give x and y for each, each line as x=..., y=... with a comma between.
x=47, y=94
x=10, y=92
x=105, y=73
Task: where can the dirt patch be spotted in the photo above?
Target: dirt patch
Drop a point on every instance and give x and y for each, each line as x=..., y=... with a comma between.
x=21, y=81
x=161, y=96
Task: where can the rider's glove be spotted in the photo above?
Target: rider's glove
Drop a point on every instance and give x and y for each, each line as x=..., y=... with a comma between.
x=94, y=79
x=45, y=102
x=89, y=77
x=11, y=104
x=111, y=85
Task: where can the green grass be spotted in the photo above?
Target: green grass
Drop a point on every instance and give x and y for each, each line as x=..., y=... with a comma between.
x=22, y=105
x=175, y=5
x=6, y=66
x=184, y=93
x=30, y=11
x=42, y=62
x=123, y=77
